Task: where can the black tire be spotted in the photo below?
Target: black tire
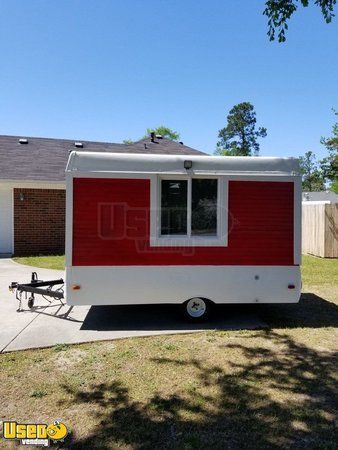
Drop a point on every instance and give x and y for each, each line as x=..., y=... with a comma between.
x=197, y=309
x=30, y=302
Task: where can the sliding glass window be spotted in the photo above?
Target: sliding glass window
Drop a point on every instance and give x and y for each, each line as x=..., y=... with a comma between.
x=204, y=207
x=174, y=207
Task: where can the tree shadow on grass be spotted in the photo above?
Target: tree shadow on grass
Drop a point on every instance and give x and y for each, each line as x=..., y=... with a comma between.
x=281, y=396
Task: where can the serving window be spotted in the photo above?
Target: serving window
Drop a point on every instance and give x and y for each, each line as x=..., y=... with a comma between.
x=204, y=207
x=189, y=211
x=174, y=207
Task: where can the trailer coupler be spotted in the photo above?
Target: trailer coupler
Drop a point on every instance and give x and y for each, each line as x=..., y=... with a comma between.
x=47, y=289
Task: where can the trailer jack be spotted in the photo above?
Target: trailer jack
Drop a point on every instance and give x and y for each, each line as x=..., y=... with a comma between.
x=47, y=289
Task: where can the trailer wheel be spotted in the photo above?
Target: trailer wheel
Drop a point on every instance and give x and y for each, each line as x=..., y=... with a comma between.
x=30, y=302
x=197, y=309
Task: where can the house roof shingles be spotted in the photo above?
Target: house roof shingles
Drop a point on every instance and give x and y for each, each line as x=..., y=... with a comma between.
x=45, y=159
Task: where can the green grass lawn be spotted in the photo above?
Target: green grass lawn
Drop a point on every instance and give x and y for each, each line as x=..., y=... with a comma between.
x=319, y=271
x=47, y=262
x=272, y=388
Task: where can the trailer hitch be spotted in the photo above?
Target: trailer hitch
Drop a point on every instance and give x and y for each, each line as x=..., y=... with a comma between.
x=47, y=289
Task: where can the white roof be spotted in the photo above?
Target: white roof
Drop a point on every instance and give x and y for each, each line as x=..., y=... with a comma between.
x=97, y=162
x=320, y=196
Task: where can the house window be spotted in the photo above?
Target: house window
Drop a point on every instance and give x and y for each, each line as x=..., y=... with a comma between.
x=189, y=211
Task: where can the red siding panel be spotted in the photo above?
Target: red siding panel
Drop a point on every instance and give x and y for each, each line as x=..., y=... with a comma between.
x=111, y=223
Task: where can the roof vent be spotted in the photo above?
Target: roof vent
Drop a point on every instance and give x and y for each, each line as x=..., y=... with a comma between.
x=23, y=141
x=181, y=142
x=152, y=136
x=159, y=136
x=78, y=144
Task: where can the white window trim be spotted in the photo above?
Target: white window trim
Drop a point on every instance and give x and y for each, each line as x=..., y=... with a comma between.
x=220, y=240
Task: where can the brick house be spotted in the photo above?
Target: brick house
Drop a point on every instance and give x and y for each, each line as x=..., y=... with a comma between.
x=32, y=188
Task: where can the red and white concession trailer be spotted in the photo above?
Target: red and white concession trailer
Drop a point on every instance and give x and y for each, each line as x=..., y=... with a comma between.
x=191, y=230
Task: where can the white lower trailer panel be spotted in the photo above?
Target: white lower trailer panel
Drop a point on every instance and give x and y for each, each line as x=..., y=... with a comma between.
x=123, y=285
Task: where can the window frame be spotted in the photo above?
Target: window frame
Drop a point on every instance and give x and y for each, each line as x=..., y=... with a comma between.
x=158, y=240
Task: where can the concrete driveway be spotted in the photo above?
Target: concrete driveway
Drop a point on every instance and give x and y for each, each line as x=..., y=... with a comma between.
x=48, y=325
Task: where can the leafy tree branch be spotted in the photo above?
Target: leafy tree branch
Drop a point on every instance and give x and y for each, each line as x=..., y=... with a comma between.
x=279, y=13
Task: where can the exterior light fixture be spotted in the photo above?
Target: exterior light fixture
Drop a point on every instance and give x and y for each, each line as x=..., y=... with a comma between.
x=22, y=197
x=187, y=164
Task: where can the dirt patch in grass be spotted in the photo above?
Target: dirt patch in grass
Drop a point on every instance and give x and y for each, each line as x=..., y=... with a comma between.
x=69, y=359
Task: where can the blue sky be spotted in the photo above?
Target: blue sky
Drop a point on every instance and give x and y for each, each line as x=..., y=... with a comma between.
x=106, y=70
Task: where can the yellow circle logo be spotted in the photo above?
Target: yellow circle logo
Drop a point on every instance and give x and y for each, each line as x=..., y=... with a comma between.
x=57, y=431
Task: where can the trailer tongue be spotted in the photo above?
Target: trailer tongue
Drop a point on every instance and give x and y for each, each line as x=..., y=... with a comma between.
x=50, y=290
